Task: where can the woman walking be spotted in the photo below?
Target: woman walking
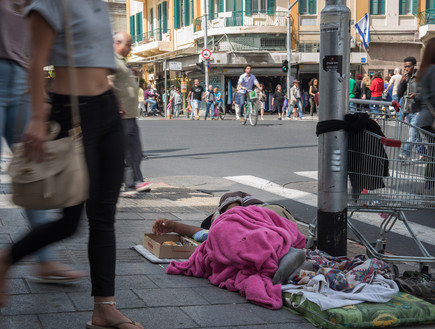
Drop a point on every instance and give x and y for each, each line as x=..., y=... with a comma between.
x=103, y=140
x=278, y=100
x=314, y=89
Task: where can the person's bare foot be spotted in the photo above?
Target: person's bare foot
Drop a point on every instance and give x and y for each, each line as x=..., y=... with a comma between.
x=107, y=314
x=54, y=272
x=5, y=265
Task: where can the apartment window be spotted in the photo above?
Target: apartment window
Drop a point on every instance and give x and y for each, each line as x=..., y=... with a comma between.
x=308, y=7
x=430, y=4
x=377, y=7
x=164, y=17
x=183, y=13
x=215, y=7
x=408, y=7
x=259, y=5
x=271, y=7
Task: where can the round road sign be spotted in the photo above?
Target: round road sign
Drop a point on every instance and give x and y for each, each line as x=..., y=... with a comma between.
x=206, y=53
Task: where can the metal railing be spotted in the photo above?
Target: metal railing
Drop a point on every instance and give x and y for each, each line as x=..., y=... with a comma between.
x=242, y=18
x=154, y=35
x=426, y=17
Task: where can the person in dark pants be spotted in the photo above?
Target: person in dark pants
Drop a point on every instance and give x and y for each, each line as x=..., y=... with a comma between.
x=278, y=100
x=102, y=141
x=125, y=86
x=426, y=78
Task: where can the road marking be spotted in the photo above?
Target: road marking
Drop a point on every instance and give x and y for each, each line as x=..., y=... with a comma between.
x=308, y=174
x=424, y=233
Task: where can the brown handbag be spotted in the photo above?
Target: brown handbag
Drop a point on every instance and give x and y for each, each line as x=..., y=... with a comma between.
x=61, y=179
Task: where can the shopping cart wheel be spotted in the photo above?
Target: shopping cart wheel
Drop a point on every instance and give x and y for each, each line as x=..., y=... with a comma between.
x=396, y=271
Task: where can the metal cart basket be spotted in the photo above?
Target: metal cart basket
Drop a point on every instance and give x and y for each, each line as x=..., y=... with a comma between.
x=387, y=176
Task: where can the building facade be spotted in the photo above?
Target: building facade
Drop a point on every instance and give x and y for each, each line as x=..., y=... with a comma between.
x=253, y=32
x=117, y=12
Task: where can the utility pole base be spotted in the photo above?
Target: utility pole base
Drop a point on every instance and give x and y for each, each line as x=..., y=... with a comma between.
x=332, y=232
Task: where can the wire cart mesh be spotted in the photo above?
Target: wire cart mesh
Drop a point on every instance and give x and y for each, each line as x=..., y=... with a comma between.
x=387, y=176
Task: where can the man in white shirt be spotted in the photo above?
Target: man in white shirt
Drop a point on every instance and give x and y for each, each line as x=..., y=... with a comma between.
x=394, y=83
x=246, y=83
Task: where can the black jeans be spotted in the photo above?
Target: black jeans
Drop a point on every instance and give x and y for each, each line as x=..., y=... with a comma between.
x=103, y=142
x=133, y=153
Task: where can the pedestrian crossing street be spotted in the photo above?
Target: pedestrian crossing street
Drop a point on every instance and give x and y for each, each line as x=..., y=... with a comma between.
x=424, y=233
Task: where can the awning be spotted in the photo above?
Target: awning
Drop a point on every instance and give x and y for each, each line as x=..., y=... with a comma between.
x=161, y=57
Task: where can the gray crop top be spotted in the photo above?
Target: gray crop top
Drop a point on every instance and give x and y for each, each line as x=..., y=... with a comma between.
x=93, y=42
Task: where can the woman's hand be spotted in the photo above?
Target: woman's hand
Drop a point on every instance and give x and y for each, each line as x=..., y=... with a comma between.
x=163, y=225
x=34, y=139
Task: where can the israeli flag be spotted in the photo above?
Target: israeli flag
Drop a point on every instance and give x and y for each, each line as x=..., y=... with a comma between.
x=363, y=29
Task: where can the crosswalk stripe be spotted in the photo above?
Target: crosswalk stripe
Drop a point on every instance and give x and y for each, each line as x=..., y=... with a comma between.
x=424, y=233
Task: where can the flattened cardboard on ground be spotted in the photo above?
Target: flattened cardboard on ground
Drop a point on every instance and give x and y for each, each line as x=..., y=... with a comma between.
x=154, y=242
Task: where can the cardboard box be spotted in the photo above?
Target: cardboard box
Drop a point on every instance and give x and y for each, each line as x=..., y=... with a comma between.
x=154, y=243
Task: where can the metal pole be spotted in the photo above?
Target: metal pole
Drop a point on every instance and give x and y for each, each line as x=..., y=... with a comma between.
x=166, y=87
x=289, y=47
x=205, y=42
x=334, y=100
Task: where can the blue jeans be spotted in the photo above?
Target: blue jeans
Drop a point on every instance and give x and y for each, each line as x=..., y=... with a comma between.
x=298, y=104
x=14, y=115
x=152, y=102
x=413, y=137
x=209, y=107
x=375, y=108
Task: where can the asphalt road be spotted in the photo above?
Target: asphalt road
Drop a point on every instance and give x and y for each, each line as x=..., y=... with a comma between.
x=203, y=154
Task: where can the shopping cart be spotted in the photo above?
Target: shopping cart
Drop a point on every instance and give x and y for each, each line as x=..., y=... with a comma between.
x=387, y=176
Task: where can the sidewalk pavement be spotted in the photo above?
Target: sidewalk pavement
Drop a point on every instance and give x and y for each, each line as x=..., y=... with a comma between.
x=143, y=291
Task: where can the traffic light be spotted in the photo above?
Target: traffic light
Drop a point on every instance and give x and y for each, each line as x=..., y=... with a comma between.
x=285, y=66
x=200, y=67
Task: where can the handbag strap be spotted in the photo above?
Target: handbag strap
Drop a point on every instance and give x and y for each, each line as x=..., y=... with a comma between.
x=71, y=71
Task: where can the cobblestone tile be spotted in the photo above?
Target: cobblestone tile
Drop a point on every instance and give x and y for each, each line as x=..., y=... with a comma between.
x=171, y=297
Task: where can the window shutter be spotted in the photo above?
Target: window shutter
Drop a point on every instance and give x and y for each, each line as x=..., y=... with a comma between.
x=210, y=10
x=312, y=7
x=186, y=13
x=374, y=7
x=139, y=30
x=159, y=15
x=402, y=7
x=176, y=14
x=415, y=7
x=132, y=27
x=221, y=6
x=381, y=7
x=270, y=7
x=248, y=7
x=152, y=22
x=165, y=16
x=302, y=7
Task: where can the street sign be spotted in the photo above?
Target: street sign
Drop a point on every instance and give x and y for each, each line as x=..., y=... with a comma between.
x=363, y=60
x=175, y=66
x=206, y=53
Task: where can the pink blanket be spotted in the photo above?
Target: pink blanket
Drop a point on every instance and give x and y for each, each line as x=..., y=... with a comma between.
x=242, y=253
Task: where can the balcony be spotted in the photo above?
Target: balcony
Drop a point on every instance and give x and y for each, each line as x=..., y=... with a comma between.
x=426, y=21
x=242, y=22
x=151, y=43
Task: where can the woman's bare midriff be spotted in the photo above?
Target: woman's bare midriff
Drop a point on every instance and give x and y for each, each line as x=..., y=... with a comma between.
x=89, y=81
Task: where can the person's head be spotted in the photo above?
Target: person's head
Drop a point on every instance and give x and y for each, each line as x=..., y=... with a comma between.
x=216, y=90
x=296, y=83
x=366, y=80
x=148, y=87
x=409, y=64
x=122, y=43
x=177, y=90
x=196, y=82
x=248, y=69
x=359, y=76
x=377, y=74
x=312, y=82
x=210, y=87
x=428, y=58
x=397, y=70
x=387, y=79
x=172, y=87
x=278, y=87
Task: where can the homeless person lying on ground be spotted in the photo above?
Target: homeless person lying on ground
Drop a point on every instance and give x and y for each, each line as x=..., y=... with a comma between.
x=249, y=248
